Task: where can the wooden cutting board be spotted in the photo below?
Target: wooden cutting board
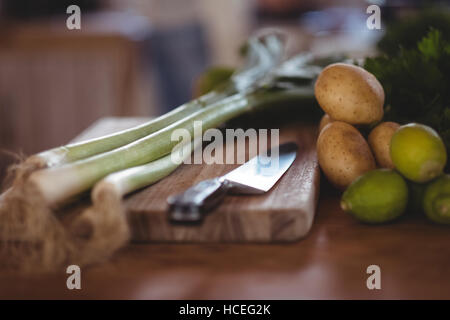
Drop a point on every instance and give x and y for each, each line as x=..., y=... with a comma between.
x=285, y=213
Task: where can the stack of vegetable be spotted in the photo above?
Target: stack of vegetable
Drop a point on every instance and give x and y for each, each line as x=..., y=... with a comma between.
x=412, y=157
x=34, y=233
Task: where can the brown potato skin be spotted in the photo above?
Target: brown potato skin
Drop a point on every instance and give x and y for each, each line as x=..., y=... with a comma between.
x=380, y=143
x=343, y=154
x=326, y=119
x=350, y=94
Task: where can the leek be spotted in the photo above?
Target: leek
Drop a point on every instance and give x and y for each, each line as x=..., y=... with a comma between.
x=58, y=184
x=33, y=231
x=129, y=180
x=265, y=53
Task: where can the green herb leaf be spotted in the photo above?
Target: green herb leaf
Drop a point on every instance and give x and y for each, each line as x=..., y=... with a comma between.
x=417, y=83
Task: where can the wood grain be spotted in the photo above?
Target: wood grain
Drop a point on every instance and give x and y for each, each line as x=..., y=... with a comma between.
x=330, y=263
x=285, y=213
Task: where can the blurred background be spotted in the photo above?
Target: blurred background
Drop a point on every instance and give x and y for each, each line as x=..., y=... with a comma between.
x=142, y=57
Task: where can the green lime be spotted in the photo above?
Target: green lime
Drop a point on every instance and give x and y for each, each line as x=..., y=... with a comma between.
x=437, y=200
x=377, y=196
x=418, y=152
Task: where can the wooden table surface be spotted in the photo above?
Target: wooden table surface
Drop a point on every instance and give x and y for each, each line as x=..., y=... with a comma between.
x=413, y=254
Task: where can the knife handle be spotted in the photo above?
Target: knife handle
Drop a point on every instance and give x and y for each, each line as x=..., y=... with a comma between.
x=195, y=202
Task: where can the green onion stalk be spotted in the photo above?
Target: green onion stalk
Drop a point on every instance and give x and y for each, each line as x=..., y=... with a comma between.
x=129, y=180
x=265, y=53
x=58, y=184
x=81, y=150
x=76, y=151
x=134, y=178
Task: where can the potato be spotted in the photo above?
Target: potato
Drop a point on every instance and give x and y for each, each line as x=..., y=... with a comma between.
x=380, y=143
x=349, y=93
x=343, y=154
x=326, y=119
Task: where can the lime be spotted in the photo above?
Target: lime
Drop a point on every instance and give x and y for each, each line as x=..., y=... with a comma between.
x=378, y=196
x=418, y=152
x=437, y=200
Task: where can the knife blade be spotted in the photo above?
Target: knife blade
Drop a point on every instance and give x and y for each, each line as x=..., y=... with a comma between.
x=256, y=176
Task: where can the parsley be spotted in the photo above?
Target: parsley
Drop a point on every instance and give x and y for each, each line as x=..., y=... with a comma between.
x=417, y=83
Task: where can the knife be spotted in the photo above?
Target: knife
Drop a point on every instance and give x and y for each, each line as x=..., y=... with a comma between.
x=256, y=176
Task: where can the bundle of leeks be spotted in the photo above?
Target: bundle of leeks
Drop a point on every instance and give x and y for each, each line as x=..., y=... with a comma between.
x=32, y=235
